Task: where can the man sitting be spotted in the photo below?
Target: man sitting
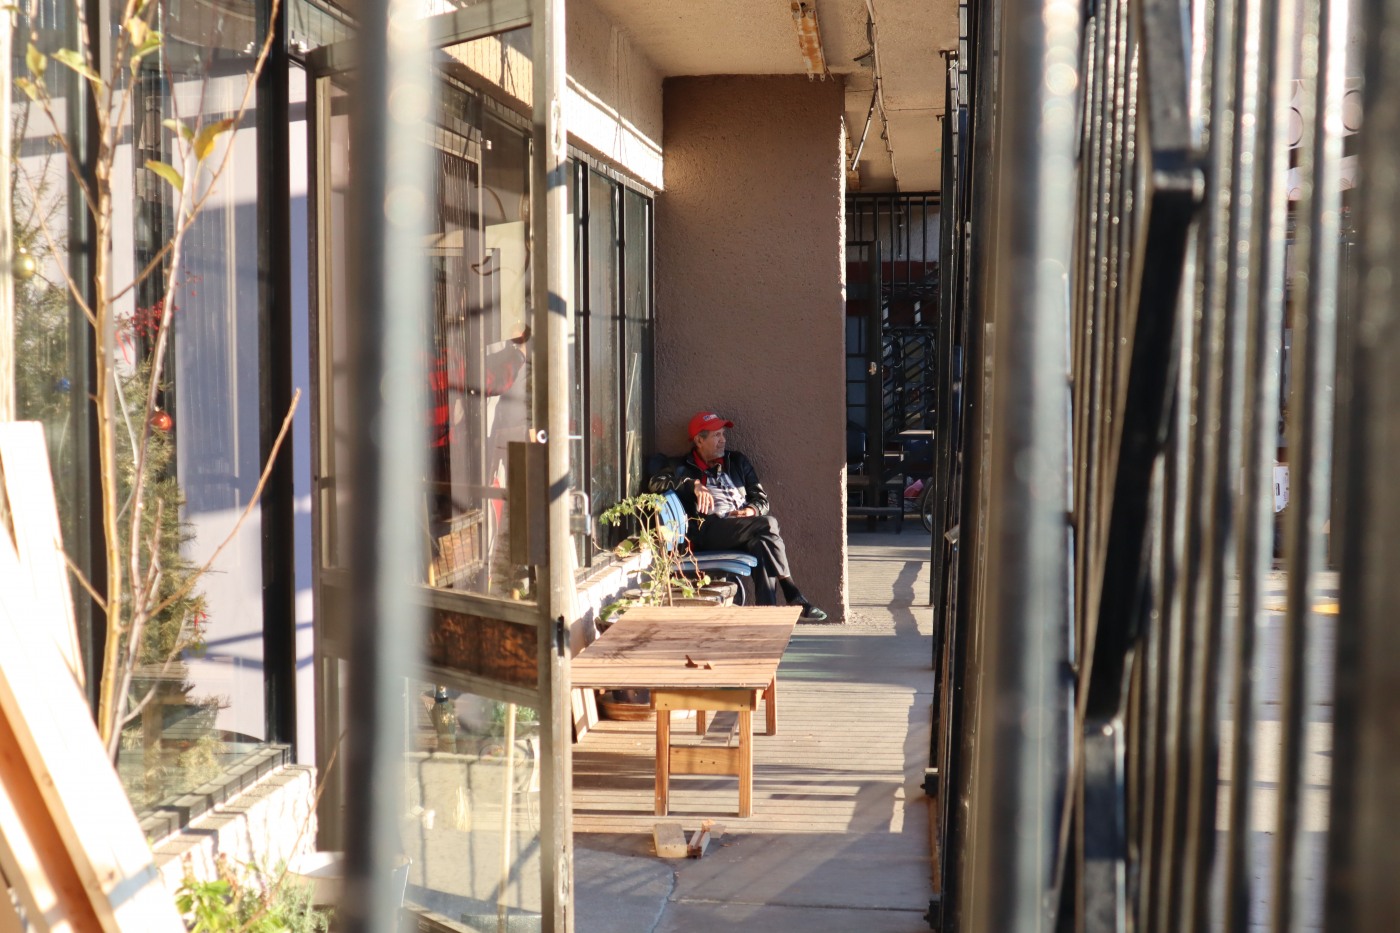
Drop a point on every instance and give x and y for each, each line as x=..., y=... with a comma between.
x=728, y=510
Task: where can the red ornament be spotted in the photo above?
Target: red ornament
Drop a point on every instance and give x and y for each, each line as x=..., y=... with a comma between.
x=162, y=421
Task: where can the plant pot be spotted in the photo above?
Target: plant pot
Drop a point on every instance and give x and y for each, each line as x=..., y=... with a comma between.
x=695, y=600
x=631, y=706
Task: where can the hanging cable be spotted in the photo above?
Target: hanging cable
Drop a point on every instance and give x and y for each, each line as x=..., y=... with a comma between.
x=870, y=116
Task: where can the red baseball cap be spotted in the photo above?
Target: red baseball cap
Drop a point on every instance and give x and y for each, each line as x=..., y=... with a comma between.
x=707, y=421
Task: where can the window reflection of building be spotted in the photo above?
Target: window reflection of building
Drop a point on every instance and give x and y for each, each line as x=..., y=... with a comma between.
x=226, y=314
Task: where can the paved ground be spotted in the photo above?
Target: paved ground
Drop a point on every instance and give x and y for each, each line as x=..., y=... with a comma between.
x=839, y=839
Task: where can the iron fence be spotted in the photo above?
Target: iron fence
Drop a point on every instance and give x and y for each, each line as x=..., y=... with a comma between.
x=1164, y=316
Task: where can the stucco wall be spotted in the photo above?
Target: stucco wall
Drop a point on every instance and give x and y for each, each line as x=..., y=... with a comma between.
x=749, y=296
x=614, y=94
x=613, y=100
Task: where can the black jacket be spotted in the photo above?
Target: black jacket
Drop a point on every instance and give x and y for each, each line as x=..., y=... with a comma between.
x=680, y=474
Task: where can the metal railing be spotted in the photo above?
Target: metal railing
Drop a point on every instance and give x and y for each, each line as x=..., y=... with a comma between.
x=1148, y=233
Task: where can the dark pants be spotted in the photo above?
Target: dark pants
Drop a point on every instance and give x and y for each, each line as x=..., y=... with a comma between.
x=757, y=535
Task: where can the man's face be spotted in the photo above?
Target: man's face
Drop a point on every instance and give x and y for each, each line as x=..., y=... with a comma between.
x=710, y=444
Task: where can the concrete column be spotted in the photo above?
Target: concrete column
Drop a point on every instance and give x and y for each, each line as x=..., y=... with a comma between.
x=750, y=296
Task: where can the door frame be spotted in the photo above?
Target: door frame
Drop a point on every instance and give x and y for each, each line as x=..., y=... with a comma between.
x=541, y=496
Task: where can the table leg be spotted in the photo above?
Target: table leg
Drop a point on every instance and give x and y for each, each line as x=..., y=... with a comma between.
x=663, y=761
x=700, y=721
x=770, y=706
x=745, y=762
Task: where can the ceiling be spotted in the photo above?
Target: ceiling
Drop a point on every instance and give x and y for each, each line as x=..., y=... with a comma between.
x=723, y=37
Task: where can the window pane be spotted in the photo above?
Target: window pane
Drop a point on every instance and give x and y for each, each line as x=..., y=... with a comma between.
x=200, y=671
x=472, y=806
x=578, y=329
x=476, y=343
x=636, y=386
x=482, y=342
x=603, y=337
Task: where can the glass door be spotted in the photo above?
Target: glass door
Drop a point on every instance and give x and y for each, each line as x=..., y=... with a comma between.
x=483, y=785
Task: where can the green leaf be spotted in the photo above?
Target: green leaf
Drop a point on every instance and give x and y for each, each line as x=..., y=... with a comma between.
x=36, y=60
x=185, y=132
x=137, y=28
x=204, y=140
x=30, y=89
x=152, y=43
x=168, y=173
x=75, y=61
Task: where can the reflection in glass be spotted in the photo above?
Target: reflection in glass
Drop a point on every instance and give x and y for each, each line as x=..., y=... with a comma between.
x=476, y=344
x=471, y=817
x=196, y=697
x=603, y=338
x=636, y=374
x=479, y=373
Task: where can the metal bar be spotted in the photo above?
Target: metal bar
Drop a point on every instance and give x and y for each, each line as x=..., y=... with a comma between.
x=388, y=222
x=1264, y=307
x=1311, y=407
x=275, y=379
x=1082, y=347
x=949, y=222
x=1020, y=758
x=1102, y=875
x=1193, y=643
x=1119, y=576
x=1170, y=90
x=1163, y=895
x=1211, y=491
x=960, y=806
x=551, y=285
x=1363, y=860
x=875, y=376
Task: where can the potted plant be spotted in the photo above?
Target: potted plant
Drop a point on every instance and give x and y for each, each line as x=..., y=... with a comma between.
x=662, y=581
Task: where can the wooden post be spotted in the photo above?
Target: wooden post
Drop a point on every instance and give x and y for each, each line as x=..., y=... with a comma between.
x=663, y=761
x=69, y=841
x=746, y=762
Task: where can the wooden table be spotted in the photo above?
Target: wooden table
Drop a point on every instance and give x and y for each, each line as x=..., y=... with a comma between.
x=734, y=650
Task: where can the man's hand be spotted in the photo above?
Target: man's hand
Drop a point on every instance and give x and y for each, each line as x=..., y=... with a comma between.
x=704, y=502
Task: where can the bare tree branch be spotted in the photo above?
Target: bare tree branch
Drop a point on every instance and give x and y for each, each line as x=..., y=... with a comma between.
x=243, y=516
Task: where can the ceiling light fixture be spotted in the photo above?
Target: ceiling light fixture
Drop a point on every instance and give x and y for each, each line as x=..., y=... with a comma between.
x=809, y=38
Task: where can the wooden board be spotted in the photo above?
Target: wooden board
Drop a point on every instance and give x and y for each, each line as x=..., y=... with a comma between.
x=669, y=839
x=28, y=491
x=69, y=841
x=655, y=646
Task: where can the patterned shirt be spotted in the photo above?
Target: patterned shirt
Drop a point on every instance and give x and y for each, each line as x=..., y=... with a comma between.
x=728, y=496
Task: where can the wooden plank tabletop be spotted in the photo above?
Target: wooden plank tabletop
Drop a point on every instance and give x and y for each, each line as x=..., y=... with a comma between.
x=648, y=646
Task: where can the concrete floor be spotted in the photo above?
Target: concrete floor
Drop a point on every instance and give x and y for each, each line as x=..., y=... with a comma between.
x=839, y=839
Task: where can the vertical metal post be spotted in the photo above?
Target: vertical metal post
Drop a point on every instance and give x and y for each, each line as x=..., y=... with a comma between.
x=1026, y=610
x=275, y=378
x=388, y=210
x=1363, y=858
x=551, y=284
x=976, y=233
x=1263, y=306
x=1214, y=466
x=1311, y=408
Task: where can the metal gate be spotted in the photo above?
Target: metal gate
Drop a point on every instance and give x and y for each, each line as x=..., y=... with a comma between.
x=1165, y=315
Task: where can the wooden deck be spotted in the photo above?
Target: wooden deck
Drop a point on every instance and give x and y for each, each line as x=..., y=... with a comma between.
x=838, y=786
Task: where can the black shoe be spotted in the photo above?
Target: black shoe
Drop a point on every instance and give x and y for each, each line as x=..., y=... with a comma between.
x=811, y=613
